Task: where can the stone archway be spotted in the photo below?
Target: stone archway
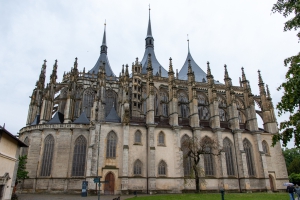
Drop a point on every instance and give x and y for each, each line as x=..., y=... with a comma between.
x=272, y=183
x=110, y=186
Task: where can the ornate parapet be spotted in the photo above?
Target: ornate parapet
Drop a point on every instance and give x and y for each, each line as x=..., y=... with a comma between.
x=54, y=126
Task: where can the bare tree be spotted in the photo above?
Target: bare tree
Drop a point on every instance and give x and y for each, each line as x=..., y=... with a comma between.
x=193, y=148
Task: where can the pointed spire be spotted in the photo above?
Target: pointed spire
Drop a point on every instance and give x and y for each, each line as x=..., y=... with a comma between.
x=53, y=76
x=149, y=31
x=75, y=63
x=170, y=66
x=149, y=67
x=268, y=91
x=208, y=69
x=260, y=81
x=243, y=75
x=226, y=76
x=189, y=67
x=127, y=72
x=188, y=43
x=104, y=46
x=104, y=35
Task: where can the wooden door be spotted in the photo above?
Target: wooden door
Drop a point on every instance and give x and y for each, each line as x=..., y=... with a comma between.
x=110, y=186
x=271, y=182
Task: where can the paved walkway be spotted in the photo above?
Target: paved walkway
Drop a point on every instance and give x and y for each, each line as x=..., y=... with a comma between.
x=68, y=197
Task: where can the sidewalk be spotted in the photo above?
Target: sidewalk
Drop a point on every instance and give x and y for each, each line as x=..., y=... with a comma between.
x=68, y=197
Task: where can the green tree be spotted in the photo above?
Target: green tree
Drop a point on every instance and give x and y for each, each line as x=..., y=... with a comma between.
x=294, y=166
x=294, y=178
x=21, y=173
x=290, y=155
x=290, y=101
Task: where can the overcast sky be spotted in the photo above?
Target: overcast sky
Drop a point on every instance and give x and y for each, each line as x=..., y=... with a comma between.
x=237, y=33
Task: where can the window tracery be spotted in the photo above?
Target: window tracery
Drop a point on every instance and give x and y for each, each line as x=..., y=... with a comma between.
x=161, y=138
x=164, y=103
x=228, y=149
x=47, y=156
x=137, y=168
x=110, y=101
x=111, y=145
x=183, y=104
x=162, y=171
x=249, y=157
x=265, y=147
x=88, y=101
x=79, y=156
x=222, y=115
x=138, y=137
x=187, y=162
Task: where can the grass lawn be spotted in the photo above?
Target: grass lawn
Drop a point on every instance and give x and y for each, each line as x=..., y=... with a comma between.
x=229, y=196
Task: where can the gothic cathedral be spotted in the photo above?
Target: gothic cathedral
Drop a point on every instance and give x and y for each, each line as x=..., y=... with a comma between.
x=129, y=129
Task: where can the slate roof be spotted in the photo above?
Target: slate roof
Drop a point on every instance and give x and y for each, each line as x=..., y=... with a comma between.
x=82, y=119
x=58, y=118
x=199, y=73
x=103, y=58
x=154, y=61
x=113, y=116
x=36, y=120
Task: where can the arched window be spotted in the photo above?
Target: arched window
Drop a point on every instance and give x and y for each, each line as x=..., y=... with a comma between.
x=162, y=168
x=88, y=101
x=222, y=115
x=25, y=149
x=47, y=156
x=161, y=138
x=241, y=117
x=63, y=100
x=137, y=169
x=227, y=147
x=208, y=162
x=265, y=147
x=110, y=101
x=249, y=156
x=79, y=156
x=203, y=113
x=187, y=162
x=183, y=105
x=164, y=103
x=138, y=137
x=111, y=145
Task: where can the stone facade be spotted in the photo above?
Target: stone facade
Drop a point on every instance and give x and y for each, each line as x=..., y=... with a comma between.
x=131, y=127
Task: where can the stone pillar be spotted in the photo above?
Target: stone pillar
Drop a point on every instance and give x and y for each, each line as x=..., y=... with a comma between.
x=151, y=158
x=125, y=159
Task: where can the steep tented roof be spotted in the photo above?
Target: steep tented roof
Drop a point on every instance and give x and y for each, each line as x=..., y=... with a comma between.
x=82, y=119
x=103, y=58
x=200, y=75
x=113, y=116
x=36, y=120
x=150, y=49
x=58, y=118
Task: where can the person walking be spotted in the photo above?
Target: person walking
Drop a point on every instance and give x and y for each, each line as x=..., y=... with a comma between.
x=297, y=191
x=290, y=189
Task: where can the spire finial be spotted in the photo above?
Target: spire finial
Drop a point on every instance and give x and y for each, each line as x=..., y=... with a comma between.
x=208, y=69
x=170, y=65
x=104, y=46
x=243, y=75
x=149, y=31
x=226, y=72
x=189, y=66
x=188, y=40
x=260, y=81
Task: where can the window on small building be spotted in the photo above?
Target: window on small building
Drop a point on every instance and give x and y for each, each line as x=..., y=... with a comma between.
x=161, y=138
x=137, y=137
x=162, y=168
x=227, y=146
x=137, y=169
x=249, y=157
x=47, y=156
x=79, y=156
x=111, y=145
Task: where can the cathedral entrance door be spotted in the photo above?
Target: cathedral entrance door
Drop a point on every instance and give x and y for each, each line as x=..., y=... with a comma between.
x=110, y=186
